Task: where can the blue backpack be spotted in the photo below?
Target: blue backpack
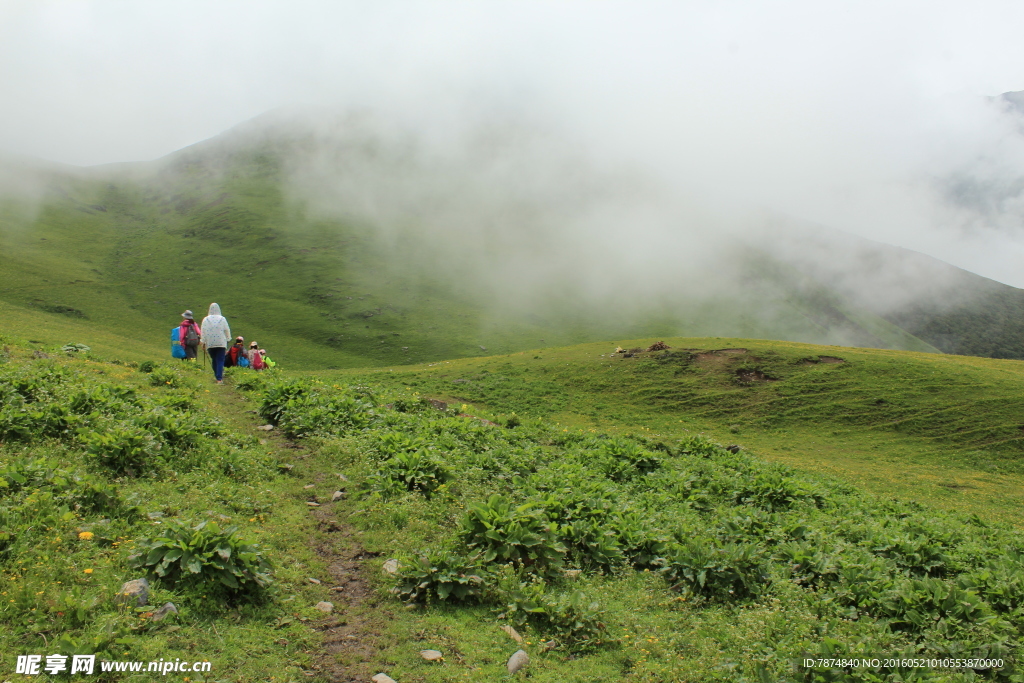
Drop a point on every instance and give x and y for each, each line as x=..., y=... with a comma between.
x=177, y=350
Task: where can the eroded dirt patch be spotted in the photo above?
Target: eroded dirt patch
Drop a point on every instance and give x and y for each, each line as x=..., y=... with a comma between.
x=746, y=376
x=718, y=359
x=815, y=360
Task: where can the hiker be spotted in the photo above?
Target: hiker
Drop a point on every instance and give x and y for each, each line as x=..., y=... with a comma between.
x=189, y=334
x=256, y=354
x=216, y=335
x=236, y=355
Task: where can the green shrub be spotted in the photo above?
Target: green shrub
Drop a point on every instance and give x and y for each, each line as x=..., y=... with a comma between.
x=389, y=444
x=1000, y=583
x=179, y=402
x=278, y=396
x=716, y=572
x=77, y=490
x=642, y=544
x=439, y=575
x=510, y=421
x=303, y=408
x=774, y=491
x=419, y=404
x=326, y=416
x=700, y=446
x=247, y=380
x=593, y=541
x=204, y=554
x=411, y=471
x=573, y=621
x=807, y=564
x=918, y=555
x=107, y=399
x=179, y=431
x=917, y=604
x=522, y=535
x=123, y=449
x=862, y=581
x=170, y=377
x=33, y=421
x=624, y=459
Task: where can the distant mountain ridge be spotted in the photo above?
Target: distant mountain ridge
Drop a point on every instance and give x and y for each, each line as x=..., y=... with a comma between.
x=130, y=246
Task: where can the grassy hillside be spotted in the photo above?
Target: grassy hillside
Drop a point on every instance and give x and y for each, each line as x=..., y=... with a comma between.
x=128, y=248
x=638, y=550
x=991, y=324
x=609, y=541
x=948, y=428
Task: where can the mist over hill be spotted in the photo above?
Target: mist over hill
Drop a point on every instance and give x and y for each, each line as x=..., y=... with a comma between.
x=362, y=239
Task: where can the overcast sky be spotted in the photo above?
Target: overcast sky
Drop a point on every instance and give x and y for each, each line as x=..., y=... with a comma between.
x=848, y=114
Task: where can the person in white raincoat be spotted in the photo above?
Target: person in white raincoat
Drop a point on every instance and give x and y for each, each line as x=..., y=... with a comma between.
x=216, y=337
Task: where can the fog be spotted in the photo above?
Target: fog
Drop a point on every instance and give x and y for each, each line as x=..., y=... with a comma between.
x=640, y=135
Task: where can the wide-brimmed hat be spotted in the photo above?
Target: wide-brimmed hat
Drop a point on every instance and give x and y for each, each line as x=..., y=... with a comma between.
x=253, y=344
x=187, y=315
x=239, y=338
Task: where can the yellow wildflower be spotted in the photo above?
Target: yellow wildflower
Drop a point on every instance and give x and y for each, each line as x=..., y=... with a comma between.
x=85, y=535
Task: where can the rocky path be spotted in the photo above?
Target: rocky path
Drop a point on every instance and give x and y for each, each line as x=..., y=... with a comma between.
x=351, y=630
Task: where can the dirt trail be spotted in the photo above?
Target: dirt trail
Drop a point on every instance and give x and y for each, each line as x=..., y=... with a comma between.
x=348, y=637
x=350, y=632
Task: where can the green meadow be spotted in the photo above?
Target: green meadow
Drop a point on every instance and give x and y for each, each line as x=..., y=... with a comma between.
x=580, y=497
x=426, y=469
x=949, y=427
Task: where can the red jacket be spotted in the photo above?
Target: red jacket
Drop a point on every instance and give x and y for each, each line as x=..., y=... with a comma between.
x=234, y=352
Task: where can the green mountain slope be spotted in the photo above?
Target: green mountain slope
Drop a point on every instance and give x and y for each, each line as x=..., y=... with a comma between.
x=990, y=323
x=128, y=247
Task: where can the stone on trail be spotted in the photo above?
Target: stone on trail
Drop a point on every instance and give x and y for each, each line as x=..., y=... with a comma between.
x=266, y=428
x=512, y=633
x=325, y=607
x=518, y=661
x=309, y=486
x=338, y=495
x=391, y=566
x=431, y=655
x=312, y=504
x=168, y=608
x=312, y=580
x=137, y=590
x=383, y=678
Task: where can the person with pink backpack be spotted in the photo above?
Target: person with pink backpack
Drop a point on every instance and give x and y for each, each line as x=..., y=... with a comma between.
x=189, y=335
x=256, y=357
